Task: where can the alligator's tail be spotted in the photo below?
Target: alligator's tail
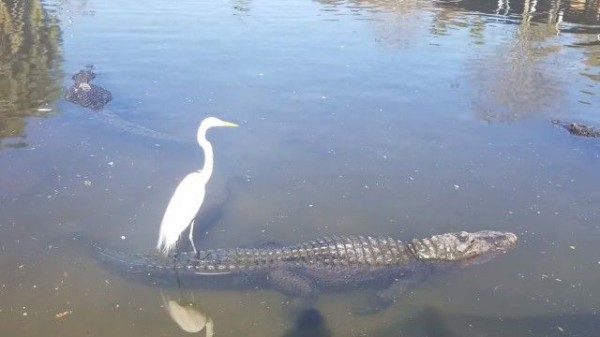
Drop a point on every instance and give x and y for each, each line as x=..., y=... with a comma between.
x=117, y=121
x=131, y=263
x=148, y=269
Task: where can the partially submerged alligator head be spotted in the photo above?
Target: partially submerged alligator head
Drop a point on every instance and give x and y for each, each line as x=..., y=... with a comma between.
x=94, y=97
x=84, y=93
x=578, y=129
x=335, y=263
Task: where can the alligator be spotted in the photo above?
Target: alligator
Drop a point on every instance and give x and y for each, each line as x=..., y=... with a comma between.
x=329, y=263
x=95, y=97
x=578, y=129
x=84, y=93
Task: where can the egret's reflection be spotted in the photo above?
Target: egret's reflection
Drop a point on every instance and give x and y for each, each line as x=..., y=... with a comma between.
x=189, y=315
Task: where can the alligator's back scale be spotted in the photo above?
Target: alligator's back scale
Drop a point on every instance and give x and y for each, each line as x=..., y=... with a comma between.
x=337, y=262
x=95, y=97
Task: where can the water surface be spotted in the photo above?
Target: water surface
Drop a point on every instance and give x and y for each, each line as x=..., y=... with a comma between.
x=400, y=118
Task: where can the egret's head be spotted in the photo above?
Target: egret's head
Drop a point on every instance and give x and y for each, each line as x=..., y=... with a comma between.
x=464, y=248
x=211, y=122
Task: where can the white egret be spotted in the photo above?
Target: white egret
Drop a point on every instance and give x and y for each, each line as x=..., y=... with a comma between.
x=189, y=195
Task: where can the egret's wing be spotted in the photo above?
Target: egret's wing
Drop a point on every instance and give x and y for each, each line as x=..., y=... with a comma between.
x=182, y=209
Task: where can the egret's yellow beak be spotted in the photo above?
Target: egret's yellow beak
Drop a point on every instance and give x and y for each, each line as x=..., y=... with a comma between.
x=230, y=125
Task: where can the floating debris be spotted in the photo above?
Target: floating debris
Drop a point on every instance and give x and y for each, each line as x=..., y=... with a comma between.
x=63, y=314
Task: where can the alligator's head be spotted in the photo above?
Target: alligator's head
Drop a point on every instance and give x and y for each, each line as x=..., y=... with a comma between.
x=83, y=76
x=463, y=248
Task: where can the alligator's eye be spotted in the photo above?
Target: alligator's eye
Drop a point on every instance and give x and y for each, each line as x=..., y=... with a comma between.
x=463, y=237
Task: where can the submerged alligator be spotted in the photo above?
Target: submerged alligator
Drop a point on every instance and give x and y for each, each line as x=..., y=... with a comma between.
x=331, y=263
x=84, y=93
x=95, y=97
x=578, y=129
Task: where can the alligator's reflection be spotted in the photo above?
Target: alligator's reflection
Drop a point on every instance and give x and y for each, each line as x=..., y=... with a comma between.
x=188, y=314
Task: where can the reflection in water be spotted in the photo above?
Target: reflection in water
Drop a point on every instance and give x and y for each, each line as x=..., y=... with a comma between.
x=29, y=63
x=189, y=315
x=397, y=24
x=515, y=85
x=513, y=80
x=241, y=6
x=591, y=50
x=582, y=11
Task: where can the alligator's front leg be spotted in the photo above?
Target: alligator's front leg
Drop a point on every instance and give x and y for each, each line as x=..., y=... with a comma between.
x=292, y=283
x=302, y=289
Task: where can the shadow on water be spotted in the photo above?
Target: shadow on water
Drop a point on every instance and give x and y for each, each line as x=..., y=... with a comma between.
x=30, y=60
x=209, y=217
x=310, y=323
x=433, y=322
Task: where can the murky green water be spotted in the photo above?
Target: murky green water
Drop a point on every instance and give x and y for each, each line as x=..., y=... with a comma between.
x=401, y=118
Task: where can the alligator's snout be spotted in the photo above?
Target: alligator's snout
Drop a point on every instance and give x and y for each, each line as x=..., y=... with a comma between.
x=487, y=245
x=491, y=241
x=508, y=241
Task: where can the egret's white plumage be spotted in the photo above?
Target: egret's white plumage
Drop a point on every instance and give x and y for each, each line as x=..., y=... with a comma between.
x=189, y=195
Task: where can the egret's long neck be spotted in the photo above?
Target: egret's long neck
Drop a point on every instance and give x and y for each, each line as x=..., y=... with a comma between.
x=208, y=159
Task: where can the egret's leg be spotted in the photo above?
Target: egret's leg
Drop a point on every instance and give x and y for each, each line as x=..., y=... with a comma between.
x=192, y=238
